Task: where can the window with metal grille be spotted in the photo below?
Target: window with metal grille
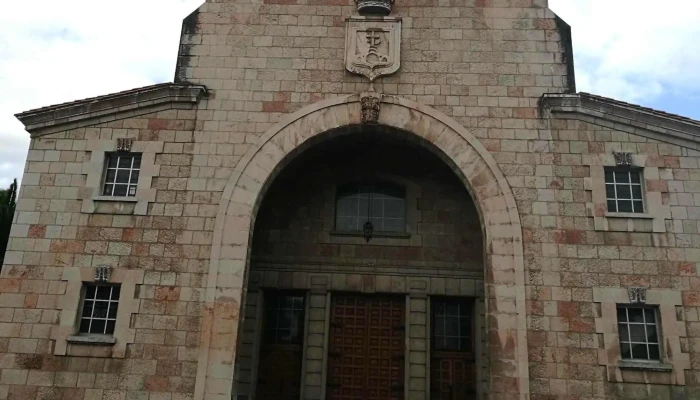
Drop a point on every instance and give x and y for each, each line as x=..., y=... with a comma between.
x=623, y=188
x=99, y=311
x=382, y=204
x=639, y=333
x=452, y=361
x=451, y=327
x=284, y=318
x=122, y=174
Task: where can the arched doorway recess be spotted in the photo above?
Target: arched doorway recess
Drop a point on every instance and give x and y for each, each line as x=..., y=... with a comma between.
x=494, y=200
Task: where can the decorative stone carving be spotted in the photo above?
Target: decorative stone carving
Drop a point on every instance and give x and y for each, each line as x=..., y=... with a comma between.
x=374, y=7
x=373, y=46
x=124, y=144
x=638, y=295
x=623, y=159
x=102, y=273
x=370, y=103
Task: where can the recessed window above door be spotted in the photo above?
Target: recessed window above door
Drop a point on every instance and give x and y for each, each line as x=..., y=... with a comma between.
x=383, y=204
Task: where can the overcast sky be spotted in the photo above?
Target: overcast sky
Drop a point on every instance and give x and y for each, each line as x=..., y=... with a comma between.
x=56, y=51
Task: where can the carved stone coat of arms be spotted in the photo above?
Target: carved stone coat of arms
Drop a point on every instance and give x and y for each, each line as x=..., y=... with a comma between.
x=373, y=46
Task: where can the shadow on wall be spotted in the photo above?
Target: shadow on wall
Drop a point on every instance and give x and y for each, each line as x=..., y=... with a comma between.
x=296, y=222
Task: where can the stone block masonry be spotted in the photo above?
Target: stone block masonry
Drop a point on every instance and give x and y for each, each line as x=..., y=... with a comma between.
x=470, y=89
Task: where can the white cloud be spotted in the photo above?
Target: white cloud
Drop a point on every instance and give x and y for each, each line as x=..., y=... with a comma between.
x=56, y=51
x=636, y=50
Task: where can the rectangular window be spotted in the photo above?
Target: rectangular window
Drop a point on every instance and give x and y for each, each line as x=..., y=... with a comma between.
x=452, y=365
x=639, y=333
x=382, y=204
x=99, y=311
x=122, y=174
x=284, y=318
x=623, y=188
x=451, y=325
x=281, y=350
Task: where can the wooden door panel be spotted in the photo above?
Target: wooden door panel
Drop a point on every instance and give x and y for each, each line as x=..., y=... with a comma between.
x=280, y=373
x=452, y=377
x=452, y=362
x=367, y=346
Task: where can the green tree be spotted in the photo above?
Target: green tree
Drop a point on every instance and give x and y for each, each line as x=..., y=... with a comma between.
x=8, y=197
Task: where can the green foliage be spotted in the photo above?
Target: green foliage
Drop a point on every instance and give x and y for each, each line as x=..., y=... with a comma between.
x=8, y=197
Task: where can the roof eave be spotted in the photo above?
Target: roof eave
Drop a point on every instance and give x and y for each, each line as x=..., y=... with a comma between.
x=100, y=108
x=626, y=117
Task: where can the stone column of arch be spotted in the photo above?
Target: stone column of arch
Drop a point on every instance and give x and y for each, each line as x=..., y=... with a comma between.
x=504, y=265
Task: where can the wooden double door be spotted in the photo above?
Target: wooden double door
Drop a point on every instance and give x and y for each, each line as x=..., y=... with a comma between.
x=366, y=358
x=366, y=351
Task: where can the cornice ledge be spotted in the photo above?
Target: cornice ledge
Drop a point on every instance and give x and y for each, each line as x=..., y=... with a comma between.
x=99, y=109
x=625, y=117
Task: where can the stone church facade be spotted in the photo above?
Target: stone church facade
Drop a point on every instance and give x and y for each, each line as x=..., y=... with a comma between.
x=345, y=201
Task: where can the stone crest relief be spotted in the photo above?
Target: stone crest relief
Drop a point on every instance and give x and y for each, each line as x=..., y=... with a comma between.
x=373, y=46
x=370, y=104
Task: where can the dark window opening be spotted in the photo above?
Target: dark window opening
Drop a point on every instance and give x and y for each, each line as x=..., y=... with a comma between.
x=279, y=368
x=639, y=333
x=284, y=318
x=452, y=365
x=99, y=309
x=452, y=325
x=382, y=204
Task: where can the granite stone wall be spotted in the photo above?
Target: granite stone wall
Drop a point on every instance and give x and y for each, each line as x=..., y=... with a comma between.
x=482, y=66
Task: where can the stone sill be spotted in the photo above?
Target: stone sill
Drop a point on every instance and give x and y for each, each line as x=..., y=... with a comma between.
x=101, y=340
x=121, y=199
x=628, y=215
x=645, y=366
x=395, y=235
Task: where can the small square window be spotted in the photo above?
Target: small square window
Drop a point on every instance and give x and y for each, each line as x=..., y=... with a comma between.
x=121, y=174
x=639, y=333
x=623, y=190
x=99, y=309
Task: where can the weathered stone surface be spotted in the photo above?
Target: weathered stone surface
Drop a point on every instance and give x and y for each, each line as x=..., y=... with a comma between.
x=468, y=89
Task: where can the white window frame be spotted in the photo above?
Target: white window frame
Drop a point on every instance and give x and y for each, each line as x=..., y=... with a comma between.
x=68, y=340
x=630, y=172
x=131, y=169
x=94, y=300
x=645, y=324
x=94, y=202
x=656, y=213
x=672, y=331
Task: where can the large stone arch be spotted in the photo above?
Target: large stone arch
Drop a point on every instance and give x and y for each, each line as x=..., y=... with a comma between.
x=504, y=269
